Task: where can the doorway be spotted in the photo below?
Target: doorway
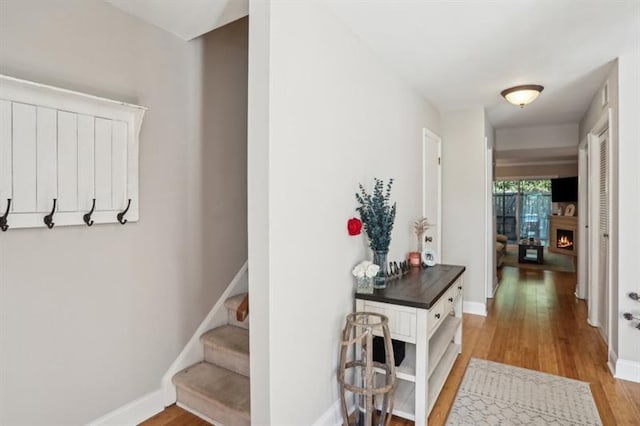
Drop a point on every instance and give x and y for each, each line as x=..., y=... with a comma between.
x=432, y=189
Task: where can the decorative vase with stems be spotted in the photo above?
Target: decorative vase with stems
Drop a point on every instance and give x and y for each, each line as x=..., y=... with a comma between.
x=420, y=226
x=378, y=214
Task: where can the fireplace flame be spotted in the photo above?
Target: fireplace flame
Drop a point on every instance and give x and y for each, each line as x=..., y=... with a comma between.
x=565, y=242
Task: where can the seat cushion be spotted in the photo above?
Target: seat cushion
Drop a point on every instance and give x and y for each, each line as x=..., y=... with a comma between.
x=502, y=238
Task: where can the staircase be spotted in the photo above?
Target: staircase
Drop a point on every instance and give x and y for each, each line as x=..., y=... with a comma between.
x=217, y=388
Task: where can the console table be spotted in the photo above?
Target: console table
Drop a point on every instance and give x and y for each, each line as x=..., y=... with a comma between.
x=424, y=309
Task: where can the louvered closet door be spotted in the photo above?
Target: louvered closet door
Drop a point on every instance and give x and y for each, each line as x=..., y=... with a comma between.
x=603, y=227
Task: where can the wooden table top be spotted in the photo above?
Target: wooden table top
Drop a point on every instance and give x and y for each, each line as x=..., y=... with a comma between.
x=420, y=288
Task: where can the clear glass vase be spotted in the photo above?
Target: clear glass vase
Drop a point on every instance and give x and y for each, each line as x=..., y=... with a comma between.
x=364, y=285
x=380, y=259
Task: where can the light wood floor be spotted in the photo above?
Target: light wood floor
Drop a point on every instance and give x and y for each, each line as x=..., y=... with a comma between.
x=534, y=322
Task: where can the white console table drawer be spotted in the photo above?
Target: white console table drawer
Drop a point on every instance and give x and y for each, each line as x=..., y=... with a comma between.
x=402, y=319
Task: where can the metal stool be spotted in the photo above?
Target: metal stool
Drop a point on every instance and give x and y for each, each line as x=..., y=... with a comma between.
x=372, y=388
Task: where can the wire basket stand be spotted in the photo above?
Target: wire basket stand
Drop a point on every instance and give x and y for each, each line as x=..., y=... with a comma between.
x=371, y=383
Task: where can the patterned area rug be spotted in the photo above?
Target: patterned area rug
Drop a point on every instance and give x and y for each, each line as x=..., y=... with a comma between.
x=497, y=394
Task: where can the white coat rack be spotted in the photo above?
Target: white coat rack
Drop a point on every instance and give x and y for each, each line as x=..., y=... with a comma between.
x=66, y=158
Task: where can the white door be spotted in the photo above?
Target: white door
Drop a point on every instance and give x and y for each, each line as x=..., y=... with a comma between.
x=603, y=235
x=432, y=189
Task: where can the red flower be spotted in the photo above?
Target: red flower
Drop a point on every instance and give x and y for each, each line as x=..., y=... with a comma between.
x=354, y=226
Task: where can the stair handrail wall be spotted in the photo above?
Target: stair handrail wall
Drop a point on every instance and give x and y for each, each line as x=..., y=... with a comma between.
x=193, y=351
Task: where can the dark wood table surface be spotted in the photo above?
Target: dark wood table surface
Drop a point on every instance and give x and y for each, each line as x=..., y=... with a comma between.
x=420, y=288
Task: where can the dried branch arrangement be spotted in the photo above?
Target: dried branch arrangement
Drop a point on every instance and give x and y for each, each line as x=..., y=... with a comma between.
x=420, y=226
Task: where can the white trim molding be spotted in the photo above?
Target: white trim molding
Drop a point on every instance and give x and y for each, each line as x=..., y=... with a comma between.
x=193, y=351
x=134, y=412
x=612, y=361
x=331, y=417
x=196, y=413
x=627, y=370
x=474, y=308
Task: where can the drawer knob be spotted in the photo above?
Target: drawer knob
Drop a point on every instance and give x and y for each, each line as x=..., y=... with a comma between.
x=451, y=299
x=437, y=316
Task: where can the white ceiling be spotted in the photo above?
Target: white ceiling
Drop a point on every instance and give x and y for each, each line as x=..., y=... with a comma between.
x=461, y=54
x=186, y=19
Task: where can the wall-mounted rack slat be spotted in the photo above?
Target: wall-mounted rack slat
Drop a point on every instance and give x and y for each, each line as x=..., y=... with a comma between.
x=57, y=144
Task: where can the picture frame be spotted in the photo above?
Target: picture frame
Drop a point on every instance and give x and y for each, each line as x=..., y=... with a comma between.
x=570, y=210
x=429, y=257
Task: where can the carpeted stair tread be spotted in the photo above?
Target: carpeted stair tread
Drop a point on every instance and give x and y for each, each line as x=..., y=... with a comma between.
x=216, y=392
x=228, y=347
x=232, y=304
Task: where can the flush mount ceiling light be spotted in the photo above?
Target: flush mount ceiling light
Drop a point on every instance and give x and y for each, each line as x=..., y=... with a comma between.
x=522, y=95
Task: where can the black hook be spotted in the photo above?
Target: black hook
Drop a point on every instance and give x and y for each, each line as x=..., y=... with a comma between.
x=87, y=216
x=3, y=218
x=48, y=219
x=120, y=216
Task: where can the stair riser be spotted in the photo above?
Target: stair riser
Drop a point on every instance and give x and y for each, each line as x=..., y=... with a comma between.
x=234, y=361
x=231, y=320
x=212, y=409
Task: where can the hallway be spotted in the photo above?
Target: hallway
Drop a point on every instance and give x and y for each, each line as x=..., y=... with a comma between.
x=536, y=322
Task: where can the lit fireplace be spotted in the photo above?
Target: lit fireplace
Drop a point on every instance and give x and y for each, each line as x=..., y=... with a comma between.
x=564, y=239
x=563, y=235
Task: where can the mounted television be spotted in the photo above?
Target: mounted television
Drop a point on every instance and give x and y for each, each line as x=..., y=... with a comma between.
x=564, y=190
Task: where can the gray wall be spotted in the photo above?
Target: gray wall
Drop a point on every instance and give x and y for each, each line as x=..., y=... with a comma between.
x=90, y=319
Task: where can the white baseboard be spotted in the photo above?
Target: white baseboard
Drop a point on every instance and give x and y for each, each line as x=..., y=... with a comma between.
x=474, y=308
x=628, y=370
x=193, y=351
x=134, y=412
x=333, y=416
x=197, y=414
x=612, y=361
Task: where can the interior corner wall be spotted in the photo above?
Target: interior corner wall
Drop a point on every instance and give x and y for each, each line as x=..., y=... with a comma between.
x=463, y=199
x=629, y=201
x=336, y=117
x=91, y=318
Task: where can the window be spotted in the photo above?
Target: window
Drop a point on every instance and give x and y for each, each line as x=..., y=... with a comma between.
x=522, y=209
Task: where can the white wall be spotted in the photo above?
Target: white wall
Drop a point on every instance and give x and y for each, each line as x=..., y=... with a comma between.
x=491, y=262
x=535, y=151
x=537, y=137
x=629, y=202
x=258, y=140
x=624, y=100
x=595, y=111
x=532, y=171
x=463, y=177
x=90, y=318
x=336, y=117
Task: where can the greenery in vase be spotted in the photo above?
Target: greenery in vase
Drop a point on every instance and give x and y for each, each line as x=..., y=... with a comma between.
x=377, y=214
